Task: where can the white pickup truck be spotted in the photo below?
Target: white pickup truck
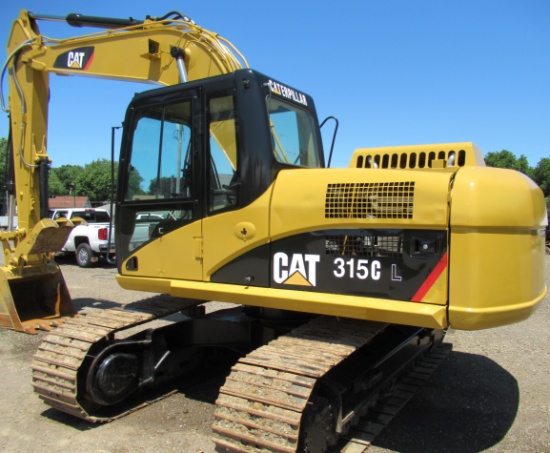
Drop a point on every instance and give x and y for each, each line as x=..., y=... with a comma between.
x=90, y=240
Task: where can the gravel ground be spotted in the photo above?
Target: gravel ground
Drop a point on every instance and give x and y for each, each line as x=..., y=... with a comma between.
x=491, y=394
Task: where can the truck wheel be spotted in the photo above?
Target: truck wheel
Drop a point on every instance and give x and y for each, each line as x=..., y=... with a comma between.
x=85, y=256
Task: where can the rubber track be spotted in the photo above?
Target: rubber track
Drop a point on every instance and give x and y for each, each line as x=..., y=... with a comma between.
x=261, y=403
x=56, y=363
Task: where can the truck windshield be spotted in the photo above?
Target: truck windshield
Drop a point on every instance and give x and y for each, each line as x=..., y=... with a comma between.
x=293, y=134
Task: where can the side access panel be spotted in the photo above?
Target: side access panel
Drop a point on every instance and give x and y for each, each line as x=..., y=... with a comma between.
x=393, y=264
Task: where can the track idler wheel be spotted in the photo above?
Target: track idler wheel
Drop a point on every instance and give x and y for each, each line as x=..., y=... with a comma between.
x=318, y=427
x=113, y=378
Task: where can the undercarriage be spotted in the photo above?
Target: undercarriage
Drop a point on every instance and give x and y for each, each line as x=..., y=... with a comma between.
x=300, y=384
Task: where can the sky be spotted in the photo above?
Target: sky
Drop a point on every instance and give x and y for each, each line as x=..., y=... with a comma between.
x=394, y=72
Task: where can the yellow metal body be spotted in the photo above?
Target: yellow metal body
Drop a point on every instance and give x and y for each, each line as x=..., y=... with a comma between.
x=498, y=220
x=139, y=53
x=493, y=273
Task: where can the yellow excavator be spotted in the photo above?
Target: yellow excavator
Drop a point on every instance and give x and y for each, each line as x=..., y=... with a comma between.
x=342, y=278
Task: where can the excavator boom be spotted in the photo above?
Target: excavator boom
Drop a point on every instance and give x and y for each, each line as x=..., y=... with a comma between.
x=163, y=51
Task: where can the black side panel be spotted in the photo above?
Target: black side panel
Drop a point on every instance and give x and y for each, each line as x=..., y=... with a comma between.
x=389, y=264
x=251, y=269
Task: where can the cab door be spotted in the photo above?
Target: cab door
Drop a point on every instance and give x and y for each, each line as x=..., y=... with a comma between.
x=159, y=215
x=234, y=231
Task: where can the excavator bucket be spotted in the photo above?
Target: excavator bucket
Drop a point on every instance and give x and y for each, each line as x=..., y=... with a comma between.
x=33, y=292
x=34, y=302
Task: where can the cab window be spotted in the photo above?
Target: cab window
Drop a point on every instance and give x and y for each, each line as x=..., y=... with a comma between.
x=223, y=183
x=160, y=158
x=293, y=134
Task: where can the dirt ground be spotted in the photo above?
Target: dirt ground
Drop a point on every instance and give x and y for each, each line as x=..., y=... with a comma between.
x=491, y=394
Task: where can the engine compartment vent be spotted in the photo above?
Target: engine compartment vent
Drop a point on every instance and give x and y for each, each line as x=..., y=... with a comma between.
x=366, y=245
x=411, y=159
x=380, y=200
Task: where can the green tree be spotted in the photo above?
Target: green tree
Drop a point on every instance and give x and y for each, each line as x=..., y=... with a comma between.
x=95, y=180
x=522, y=164
x=92, y=180
x=541, y=175
x=55, y=186
x=3, y=161
x=507, y=159
x=134, y=184
x=64, y=180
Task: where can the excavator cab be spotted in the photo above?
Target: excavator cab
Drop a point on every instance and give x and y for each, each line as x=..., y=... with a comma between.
x=203, y=149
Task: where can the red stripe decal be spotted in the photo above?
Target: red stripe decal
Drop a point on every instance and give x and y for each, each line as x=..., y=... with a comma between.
x=428, y=283
x=89, y=62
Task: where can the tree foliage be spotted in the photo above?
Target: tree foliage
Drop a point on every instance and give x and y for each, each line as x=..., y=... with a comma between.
x=134, y=183
x=3, y=161
x=507, y=159
x=64, y=180
x=95, y=180
x=541, y=175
